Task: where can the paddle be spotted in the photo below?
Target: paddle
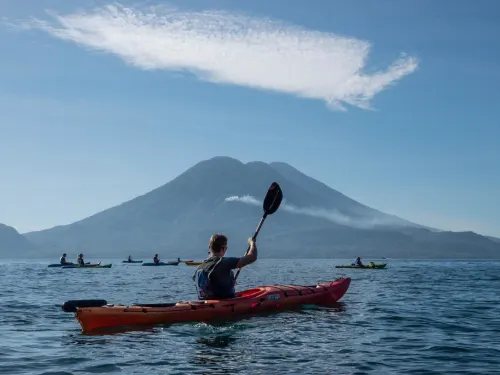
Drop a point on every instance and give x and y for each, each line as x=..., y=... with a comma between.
x=271, y=204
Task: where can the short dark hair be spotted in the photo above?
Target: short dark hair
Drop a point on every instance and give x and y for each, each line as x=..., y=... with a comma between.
x=217, y=242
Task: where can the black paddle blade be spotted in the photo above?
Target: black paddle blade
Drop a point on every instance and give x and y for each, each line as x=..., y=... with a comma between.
x=71, y=306
x=273, y=199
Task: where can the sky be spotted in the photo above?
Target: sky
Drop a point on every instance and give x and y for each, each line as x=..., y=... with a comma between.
x=393, y=103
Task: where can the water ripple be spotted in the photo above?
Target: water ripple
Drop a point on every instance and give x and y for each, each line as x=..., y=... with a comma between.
x=416, y=317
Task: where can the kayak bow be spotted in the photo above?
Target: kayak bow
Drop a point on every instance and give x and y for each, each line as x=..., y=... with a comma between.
x=192, y=263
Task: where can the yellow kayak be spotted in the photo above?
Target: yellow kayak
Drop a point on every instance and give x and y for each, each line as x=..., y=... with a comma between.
x=192, y=263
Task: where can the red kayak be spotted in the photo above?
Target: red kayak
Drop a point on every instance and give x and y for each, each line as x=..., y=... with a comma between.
x=97, y=314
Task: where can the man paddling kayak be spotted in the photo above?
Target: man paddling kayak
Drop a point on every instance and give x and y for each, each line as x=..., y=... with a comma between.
x=214, y=278
x=62, y=260
x=358, y=263
x=80, y=260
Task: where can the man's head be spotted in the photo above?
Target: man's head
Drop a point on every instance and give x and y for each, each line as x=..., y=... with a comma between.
x=64, y=255
x=218, y=244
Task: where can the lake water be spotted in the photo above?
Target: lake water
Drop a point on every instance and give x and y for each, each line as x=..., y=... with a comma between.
x=415, y=317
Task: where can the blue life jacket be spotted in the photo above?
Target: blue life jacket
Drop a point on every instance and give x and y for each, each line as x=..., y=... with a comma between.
x=207, y=287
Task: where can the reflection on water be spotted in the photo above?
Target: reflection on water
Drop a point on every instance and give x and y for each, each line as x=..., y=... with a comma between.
x=79, y=340
x=217, y=341
x=336, y=307
x=123, y=329
x=216, y=352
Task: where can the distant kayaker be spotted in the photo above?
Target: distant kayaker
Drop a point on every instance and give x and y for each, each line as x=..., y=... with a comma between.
x=156, y=259
x=358, y=262
x=130, y=258
x=62, y=260
x=80, y=260
x=214, y=278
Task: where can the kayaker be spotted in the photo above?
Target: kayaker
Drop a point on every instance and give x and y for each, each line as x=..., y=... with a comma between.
x=358, y=262
x=80, y=260
x=130, y=258
x=156, y=260
x=62, y=260
x=214, y=278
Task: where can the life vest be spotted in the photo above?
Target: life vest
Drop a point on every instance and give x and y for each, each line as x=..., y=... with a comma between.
x=206, y=287
x=62, y=260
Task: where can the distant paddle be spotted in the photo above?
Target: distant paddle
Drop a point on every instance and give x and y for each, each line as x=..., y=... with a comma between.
x=271, y=204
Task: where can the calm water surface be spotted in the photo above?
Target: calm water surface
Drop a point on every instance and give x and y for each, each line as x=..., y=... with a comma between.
x=416, y=317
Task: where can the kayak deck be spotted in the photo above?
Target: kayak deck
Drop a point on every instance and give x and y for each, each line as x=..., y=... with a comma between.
x=88, y=266
x=161, y=264
x=256, y=300
x=62, y=265
x=377, y=266
x=192, y=263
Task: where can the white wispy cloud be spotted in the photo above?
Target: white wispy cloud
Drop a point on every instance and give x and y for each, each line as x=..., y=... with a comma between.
x=328, y=214
x=229, y=48
x=245, y=199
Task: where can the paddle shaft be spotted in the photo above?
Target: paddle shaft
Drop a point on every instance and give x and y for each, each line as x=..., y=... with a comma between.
x=254, y=238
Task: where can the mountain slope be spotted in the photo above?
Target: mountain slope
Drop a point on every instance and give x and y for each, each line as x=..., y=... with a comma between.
x=334, y=199
x=13, y=244
x=177, y=219
x=182, y=213
x=494, y=239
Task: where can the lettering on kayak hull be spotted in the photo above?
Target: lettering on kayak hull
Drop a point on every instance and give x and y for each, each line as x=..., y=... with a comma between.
x=274, y=296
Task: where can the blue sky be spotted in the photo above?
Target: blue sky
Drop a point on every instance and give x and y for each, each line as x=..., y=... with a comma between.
x=393, y=103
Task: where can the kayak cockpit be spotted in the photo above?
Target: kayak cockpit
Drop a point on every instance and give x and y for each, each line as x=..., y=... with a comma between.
x=250, y=293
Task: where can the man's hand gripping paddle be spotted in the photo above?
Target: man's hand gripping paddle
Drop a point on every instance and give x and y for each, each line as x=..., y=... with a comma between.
x=271, y=204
